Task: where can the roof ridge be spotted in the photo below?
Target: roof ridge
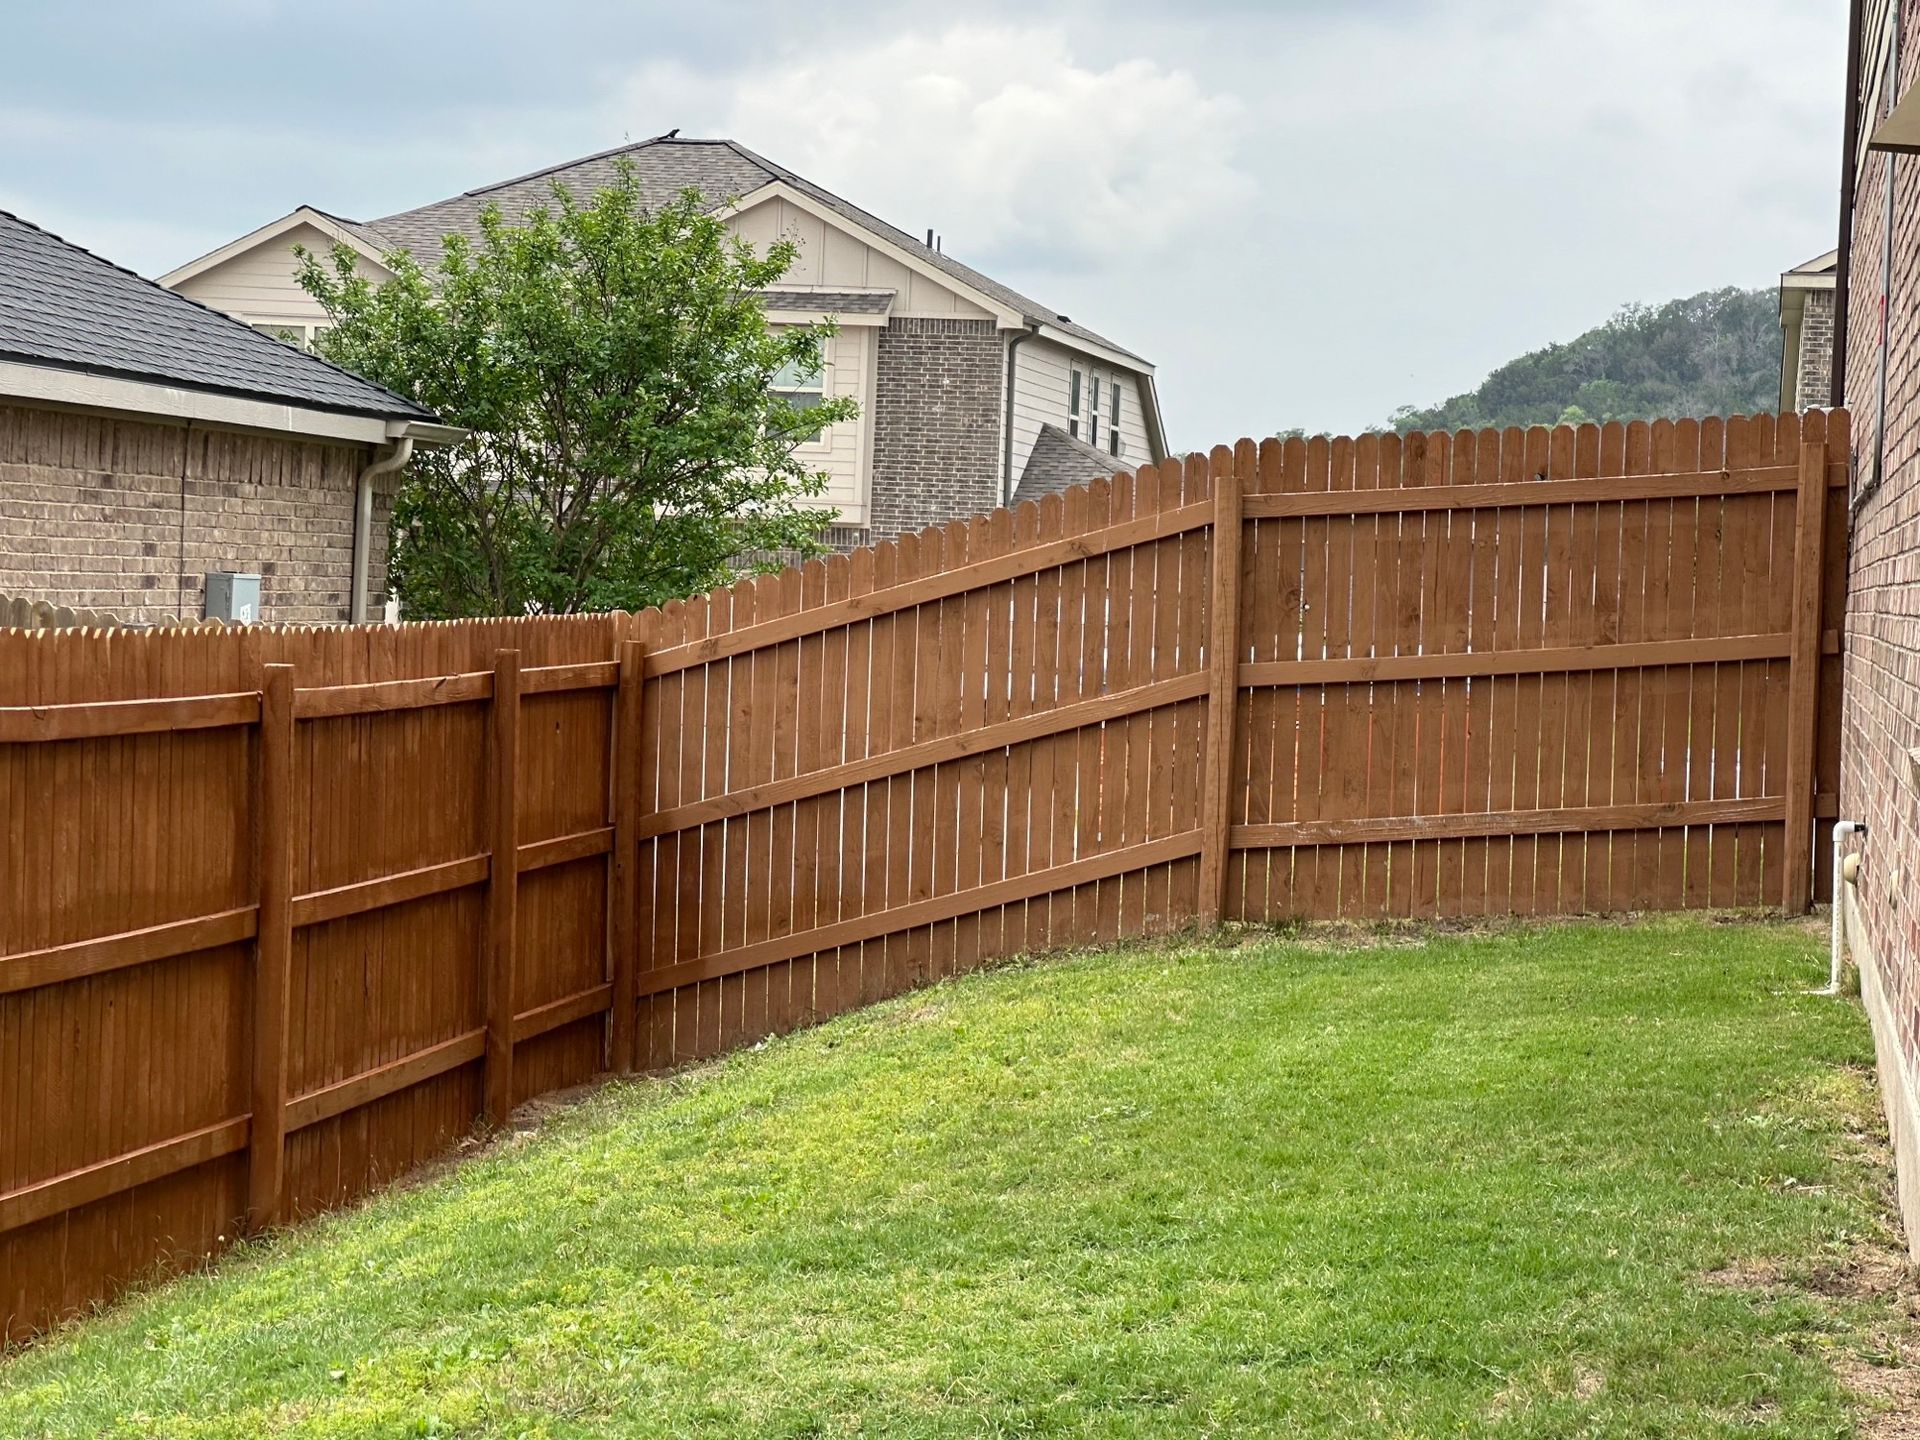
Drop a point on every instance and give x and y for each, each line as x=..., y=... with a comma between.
x=205, y=308
x=668, y=138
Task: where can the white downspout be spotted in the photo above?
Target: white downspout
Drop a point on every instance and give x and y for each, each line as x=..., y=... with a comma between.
x=1841, y=830
x=363, y=523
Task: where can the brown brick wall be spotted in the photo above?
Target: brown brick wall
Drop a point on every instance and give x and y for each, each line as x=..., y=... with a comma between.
x=1881, y=706
x=938, y=403
x=128, y=515
x=1816, y=352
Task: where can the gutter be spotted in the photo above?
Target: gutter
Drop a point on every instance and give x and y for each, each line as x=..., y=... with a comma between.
x=1849, y=159
x=1014, y=341
x=393, y=460
x=402, y=436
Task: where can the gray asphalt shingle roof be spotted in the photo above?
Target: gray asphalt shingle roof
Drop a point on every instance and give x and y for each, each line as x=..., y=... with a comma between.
x=65, y=307
x=831, y=302
x=721, y=170
x=1058, y=462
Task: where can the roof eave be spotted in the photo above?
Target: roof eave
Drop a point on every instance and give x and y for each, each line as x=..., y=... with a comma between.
x=1112, y=356
x=302, y=215
x=163, y=400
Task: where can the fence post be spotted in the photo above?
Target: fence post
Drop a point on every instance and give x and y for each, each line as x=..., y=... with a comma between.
x=1223, y=663
x=272, y=948
x=503, y=882
x=624, y=894
x=1803, y=674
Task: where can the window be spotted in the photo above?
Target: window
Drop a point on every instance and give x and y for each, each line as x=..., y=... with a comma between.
x=1113, y=419
x=1073, y=404
x=298, y=333
x=1093, y=414
x=802, y=388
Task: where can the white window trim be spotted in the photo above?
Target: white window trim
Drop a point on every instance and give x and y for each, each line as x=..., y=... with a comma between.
x=821, y=444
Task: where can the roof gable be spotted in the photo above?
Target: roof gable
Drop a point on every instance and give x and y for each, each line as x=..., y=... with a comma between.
x=66, y=308
x=725, y=173
x=361, y=238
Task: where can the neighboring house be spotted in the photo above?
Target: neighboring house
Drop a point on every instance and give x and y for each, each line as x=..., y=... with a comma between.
x=1878, y=360
x=146, y=442
x=955, y=373
x=1806, y=333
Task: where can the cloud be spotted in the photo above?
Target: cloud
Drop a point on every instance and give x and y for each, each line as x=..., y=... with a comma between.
x=1307, y=213
x=998, y=136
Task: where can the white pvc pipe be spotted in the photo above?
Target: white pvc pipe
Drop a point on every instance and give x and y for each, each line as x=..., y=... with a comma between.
x=1841, y=830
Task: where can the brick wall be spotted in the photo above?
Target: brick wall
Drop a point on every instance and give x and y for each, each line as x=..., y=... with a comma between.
x=1881, y=706
x=127, y=515
x=938, y=402
x=1816, y=352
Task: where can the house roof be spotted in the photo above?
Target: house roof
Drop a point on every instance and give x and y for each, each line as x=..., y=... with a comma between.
x=1059, y=461
x=722, y=171
x=65, y=308
x=830, y=302
x=1817, y=273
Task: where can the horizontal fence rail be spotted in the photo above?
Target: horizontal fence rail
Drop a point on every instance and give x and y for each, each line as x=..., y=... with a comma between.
x=285, y=913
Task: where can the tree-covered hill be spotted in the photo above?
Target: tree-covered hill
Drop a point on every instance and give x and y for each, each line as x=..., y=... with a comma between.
x=1715, y=353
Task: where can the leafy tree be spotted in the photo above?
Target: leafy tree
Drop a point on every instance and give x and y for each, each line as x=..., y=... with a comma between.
x=618, y=377
x=1715, y=353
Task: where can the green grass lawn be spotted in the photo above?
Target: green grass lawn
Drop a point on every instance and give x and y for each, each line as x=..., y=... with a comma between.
x=1592, y=1180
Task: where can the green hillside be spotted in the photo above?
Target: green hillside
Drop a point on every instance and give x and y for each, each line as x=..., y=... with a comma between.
x=1715, y=353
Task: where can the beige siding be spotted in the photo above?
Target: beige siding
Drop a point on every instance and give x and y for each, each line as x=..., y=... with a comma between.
x=258, y=285
x=830, y=255
x=1040, y=397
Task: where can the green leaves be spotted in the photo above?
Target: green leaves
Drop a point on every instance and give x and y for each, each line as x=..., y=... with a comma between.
x=612, y=363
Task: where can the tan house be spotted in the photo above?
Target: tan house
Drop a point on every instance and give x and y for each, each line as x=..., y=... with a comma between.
x=154, y=453
x=955, y=373
x=1806, y=333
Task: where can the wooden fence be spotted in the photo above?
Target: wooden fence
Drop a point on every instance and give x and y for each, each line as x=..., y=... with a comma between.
x=258, y=950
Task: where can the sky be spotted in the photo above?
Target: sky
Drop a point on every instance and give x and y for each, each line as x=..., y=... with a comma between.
x=1304, y=212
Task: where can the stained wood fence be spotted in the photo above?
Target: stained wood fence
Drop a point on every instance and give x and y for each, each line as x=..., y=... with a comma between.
x=260, y=952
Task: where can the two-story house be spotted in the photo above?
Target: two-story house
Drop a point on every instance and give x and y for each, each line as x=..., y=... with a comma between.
x=958, y=376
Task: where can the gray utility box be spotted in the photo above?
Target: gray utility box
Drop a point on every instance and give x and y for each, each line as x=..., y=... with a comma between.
x=233, y=597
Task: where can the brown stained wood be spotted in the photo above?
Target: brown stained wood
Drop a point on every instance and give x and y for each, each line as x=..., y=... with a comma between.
x=78, y=959
x=322, y=702
x=555, y=679
x=629, y=804
x=1539, y=661
x=503, y=810
x=1803, y=696
x=909, y=758
x=1504, y=823
x=274, y=819
x=908, y=918
x=43, y=1199
x=96, y=719
x=531, y=1024
x=1518, y=491
x=565, y=849
x=361, y=897
x=1223, y=658
x=925, y=589
x=355, y=1091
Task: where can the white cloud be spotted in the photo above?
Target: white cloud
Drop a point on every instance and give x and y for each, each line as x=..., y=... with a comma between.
x=999, y=137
